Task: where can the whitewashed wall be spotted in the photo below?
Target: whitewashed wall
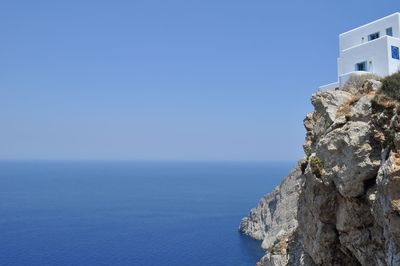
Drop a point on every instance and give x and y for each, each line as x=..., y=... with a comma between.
x=375, y=51
x=354, y=37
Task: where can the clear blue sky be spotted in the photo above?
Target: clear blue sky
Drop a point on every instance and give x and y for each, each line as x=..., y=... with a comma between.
x=166, y=80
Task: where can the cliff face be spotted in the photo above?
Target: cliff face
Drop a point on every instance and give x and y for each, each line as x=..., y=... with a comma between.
x=341, y=203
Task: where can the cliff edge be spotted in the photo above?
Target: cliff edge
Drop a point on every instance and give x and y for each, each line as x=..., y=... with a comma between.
x=340, y=205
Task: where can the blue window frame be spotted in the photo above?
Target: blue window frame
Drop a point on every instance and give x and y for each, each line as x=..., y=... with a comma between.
x=373, y=36
x=395, y=52
x=361, y=66
x=389, y=31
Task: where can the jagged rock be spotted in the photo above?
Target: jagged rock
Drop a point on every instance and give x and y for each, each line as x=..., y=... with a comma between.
x=326, y=104
x=308, y=125
x=361, y=110
x=275, y=214
x=341, y=204
x=386, y=210
x=348, y=157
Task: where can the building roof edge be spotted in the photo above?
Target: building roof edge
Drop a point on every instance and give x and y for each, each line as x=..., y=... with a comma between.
x=365, y=25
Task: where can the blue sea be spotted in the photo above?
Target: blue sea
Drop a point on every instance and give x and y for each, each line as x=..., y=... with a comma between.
x=130, y=213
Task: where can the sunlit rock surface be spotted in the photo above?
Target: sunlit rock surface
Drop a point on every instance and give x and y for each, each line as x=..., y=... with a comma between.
x=340, y=205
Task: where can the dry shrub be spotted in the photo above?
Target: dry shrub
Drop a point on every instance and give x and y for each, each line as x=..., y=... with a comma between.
x=391, y=86
x=307, y=150
x=382, y=101
x=355, y=82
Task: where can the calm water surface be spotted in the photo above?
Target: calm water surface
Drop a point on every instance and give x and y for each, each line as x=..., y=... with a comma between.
x=130, y=213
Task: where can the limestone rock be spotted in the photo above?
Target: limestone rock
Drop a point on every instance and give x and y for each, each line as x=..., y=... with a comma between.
x=326, y=104
x=361, y=110
x=341, y=204
x=349, y=158
x=275, y=214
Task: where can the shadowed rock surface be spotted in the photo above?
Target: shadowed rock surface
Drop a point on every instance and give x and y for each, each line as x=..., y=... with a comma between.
x=340, y=205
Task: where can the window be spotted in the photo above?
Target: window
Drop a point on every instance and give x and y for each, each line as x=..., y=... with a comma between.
x=361, y=66
x=395, y=52
x=373, y=36
x=389, y=31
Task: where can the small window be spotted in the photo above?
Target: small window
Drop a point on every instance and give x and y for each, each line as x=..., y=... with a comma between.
x=361, y=66
x=395, y=52
x=373, y=36
x=389, y=31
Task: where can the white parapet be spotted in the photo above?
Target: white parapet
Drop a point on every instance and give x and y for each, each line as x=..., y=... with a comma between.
x=330, y=86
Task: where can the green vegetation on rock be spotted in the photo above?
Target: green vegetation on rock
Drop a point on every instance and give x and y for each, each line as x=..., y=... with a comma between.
x=316, y=166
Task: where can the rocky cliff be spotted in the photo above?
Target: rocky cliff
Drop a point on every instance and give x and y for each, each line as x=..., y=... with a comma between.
x=341, y=203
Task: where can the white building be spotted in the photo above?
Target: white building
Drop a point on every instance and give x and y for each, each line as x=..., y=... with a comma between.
x=371, y=48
